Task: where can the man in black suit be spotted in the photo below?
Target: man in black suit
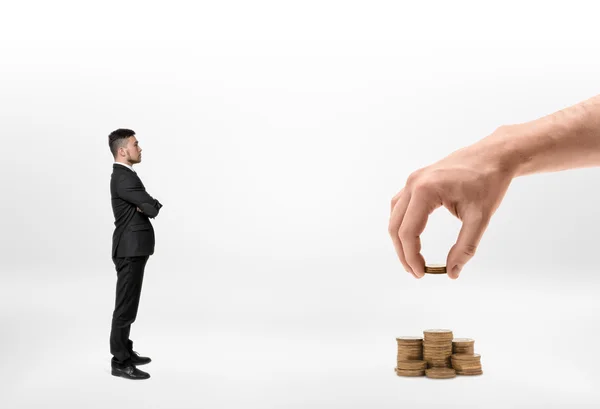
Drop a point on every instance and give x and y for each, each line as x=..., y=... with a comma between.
x=132, y=244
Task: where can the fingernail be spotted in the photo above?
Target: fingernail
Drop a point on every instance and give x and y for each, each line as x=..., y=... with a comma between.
x=456, y=271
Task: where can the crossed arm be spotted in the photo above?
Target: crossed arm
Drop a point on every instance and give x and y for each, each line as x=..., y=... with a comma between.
x=131, y=190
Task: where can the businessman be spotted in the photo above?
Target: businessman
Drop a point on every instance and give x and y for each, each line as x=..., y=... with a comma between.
x=132, y=244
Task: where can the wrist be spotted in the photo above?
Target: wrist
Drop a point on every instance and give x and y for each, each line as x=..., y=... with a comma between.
x=563, y=140
x=500, y=151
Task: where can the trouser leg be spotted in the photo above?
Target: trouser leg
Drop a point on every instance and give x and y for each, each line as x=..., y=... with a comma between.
x=130, y=276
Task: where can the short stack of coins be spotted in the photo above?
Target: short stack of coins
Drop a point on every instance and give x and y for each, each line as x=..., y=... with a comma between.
x=435, y=269
x=437, y=348
x=463, y=346
x=466, y=364
x=410, y=357
x=464, y=359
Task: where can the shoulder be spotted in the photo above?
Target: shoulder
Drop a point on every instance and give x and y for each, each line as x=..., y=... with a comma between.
x=127, y=178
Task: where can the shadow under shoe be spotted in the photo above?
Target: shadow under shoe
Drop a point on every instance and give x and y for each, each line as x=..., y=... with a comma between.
x=127, y=371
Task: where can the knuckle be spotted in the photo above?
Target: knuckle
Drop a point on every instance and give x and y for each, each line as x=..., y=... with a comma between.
x=404, y=234
x=414, y=177
x=421, y=187
x=502, y=130
x=469, y=250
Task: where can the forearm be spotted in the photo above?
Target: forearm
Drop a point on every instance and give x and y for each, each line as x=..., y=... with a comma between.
x=567, y=139
x=150, y=209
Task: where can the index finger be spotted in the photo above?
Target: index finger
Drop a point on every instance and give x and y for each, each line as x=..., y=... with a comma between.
x=422, y=204
x=399, y=205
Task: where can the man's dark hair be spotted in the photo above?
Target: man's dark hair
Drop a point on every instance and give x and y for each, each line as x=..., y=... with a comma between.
x=118, y=139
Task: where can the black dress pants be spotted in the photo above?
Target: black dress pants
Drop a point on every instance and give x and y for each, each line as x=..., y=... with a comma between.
x=130, y=275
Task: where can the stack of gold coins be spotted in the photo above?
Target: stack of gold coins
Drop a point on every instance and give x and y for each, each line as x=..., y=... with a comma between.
x=466, y=364
x=435, y=269
x=463, y=346
x=411, y=368
x=410, y=348
x=440, y=373
x=410, y=357
x=437, y=347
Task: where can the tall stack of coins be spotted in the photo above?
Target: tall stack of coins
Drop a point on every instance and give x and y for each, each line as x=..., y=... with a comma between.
x=466, y=364
x=410, y=357
x=463, y=346
x=437, y=348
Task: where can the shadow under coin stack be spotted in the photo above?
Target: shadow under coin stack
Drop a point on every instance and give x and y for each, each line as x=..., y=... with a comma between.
x=410, y=357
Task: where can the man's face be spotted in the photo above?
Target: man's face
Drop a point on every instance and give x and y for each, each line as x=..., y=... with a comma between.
x=132, y=152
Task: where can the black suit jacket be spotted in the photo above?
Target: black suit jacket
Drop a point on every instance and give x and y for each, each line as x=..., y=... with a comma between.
x=134, y=234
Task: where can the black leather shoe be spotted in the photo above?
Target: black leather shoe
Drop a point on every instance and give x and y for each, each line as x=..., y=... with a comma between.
x=129, y=372
x=136, y=359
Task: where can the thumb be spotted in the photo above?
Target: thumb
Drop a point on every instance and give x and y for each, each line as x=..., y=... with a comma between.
x=466, y=245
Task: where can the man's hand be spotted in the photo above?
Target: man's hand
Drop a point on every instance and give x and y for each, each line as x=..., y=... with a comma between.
x=470, y=183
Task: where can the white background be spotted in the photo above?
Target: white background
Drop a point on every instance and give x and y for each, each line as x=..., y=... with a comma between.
x=275, y=135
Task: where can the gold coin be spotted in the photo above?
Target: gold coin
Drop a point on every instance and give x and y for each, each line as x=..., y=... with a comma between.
x=469, y=373
x=466, y=357
x=404, y=372
x=435, y=332
x=435, y=269
x=412, y=364
x=440, y=373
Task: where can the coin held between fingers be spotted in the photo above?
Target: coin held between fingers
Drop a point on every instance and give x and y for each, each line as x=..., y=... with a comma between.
x=435, y=269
